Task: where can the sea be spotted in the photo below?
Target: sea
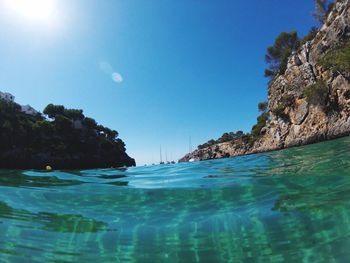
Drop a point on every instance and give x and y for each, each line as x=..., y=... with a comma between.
x=291, y=205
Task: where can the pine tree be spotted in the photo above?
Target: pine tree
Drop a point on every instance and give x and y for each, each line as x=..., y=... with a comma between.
x=277, y=55
x=322, y=9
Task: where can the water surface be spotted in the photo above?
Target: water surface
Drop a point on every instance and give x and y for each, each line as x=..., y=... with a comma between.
x=284, y=206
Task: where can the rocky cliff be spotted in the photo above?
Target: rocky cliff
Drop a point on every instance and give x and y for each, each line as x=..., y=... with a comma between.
x=309, y=103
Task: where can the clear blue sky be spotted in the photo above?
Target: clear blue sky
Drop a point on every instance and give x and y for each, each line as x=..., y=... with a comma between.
x=189, y=67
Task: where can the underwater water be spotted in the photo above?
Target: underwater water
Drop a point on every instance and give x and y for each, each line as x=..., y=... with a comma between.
x=284, y=206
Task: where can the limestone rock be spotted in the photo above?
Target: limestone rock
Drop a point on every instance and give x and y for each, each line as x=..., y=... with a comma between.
x=301, y=110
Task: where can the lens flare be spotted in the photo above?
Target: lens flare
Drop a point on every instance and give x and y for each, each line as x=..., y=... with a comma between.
x=117, y=77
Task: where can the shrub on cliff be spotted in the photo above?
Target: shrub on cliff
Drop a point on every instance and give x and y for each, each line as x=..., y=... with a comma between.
x=263, y=106
x=338, y=59
x=261, y=123
x=287, y=100
x=278, y=111
x=316, y=93
x=278, y=54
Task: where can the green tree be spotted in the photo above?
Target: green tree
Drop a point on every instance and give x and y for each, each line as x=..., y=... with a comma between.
x=239, y=133
x=90, y=123
x=211, y=142
x=322, y=9
x=53, y=110
x=226, y=137
x=230, y=136
x=277, y=55
x=74, y=114
x=63, y=123
x=262, y=106
x=261, y=123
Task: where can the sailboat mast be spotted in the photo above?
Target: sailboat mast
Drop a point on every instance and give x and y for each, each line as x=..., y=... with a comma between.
x=160, y=153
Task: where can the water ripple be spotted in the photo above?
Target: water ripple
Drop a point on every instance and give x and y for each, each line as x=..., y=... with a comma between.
x=283, y=206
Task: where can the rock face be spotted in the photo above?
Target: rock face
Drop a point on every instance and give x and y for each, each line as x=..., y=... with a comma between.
x=305, y=122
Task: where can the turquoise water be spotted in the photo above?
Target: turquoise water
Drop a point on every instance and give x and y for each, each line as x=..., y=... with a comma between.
x=285, y=206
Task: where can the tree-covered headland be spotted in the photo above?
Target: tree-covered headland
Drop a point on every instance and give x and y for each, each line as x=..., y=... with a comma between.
x=63, y=139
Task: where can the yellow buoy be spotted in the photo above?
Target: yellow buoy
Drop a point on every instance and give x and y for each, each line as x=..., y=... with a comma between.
x=48, y=168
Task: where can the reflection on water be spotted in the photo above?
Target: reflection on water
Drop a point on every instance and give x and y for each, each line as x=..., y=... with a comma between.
x=285, y=206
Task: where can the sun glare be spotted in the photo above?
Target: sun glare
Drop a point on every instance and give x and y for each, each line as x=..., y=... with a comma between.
x=34, y=9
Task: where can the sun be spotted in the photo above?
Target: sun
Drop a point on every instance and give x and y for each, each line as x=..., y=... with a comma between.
x=34, y=9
